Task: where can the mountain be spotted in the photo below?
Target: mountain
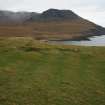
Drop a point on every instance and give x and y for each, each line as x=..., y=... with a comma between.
x=59, y=14
x=52, y=24
x=56, y=15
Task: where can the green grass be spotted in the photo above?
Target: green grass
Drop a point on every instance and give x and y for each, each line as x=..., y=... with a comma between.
x=35, y=73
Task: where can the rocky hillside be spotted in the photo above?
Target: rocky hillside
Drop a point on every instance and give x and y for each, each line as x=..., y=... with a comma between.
x=56, y=15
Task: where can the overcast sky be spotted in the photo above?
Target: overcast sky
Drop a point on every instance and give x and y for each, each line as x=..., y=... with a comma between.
x=93, y=10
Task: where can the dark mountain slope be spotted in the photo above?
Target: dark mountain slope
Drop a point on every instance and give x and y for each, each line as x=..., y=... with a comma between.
x=56, y=15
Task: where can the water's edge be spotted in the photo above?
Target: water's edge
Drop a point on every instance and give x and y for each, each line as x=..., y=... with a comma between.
x=90, y=41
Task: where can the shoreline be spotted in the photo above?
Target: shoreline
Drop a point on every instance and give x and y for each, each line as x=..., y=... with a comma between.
x=80, y=38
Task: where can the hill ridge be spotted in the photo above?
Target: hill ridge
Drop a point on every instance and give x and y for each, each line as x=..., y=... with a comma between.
x=52, y=24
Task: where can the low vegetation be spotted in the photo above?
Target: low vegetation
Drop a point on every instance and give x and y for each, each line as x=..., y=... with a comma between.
x=36, y=73
x=65, y=30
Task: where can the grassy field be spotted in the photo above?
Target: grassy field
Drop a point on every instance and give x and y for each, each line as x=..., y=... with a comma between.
x=35, y=73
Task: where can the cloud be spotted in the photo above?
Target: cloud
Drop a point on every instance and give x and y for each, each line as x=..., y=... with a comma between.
x=7, y=4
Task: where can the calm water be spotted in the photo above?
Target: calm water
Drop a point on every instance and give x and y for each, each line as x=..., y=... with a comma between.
x=94, y=41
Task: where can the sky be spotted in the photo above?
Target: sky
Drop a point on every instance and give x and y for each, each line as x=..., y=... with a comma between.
x=93, y=10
